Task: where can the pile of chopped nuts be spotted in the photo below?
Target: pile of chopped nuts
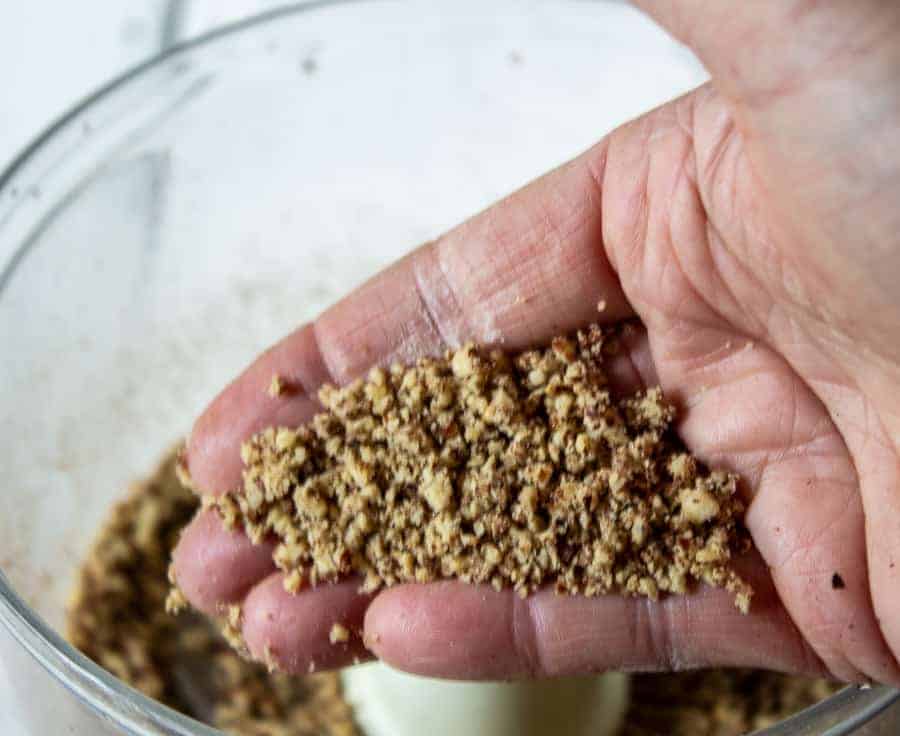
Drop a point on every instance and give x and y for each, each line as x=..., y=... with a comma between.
x=517, y=472
x=117, y=618
x=717, y=702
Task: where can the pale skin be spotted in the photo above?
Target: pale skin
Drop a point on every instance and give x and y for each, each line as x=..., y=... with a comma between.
x=753, y=226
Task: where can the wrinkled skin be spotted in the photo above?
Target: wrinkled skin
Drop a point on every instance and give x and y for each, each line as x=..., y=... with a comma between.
x=754, y=228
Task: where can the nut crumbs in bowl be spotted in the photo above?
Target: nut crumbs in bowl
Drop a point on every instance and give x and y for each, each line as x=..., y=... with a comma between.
x=117, y=617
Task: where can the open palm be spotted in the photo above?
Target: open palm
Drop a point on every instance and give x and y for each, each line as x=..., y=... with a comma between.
x=753, y=227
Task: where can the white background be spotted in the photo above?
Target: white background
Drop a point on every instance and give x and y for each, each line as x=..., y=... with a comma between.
x=53, y=53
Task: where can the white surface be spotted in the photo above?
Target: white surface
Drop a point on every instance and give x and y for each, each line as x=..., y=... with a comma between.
x=52, y=53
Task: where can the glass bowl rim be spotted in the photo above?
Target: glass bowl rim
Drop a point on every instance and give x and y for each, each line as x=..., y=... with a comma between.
x=93, y=686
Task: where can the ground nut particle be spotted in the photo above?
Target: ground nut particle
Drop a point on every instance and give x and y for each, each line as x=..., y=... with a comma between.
x=698, y=505
x=339, y=634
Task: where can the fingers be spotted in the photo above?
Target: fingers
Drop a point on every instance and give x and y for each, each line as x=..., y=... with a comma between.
x=214, y=566
x=460, y=631
x=294, y=631
x=466, y=632
x=528, y=268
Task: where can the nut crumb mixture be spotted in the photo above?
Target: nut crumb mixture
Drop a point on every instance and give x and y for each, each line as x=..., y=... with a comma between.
x=339, y=634
x=516, y=471
x=117, y=618
x=276, y=386
x=717, y=702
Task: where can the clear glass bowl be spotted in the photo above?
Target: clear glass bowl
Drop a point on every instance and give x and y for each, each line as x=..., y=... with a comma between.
x=184, y=217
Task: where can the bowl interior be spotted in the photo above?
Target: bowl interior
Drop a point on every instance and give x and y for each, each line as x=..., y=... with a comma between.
x=232, y=193
x=168, y=232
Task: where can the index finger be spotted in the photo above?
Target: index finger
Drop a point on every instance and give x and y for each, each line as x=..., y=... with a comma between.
x=530, y=267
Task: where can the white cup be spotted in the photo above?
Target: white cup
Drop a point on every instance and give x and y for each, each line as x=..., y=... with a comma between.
x=387, y=702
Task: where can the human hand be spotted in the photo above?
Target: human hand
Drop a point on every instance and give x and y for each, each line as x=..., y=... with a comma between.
x=753, y=227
